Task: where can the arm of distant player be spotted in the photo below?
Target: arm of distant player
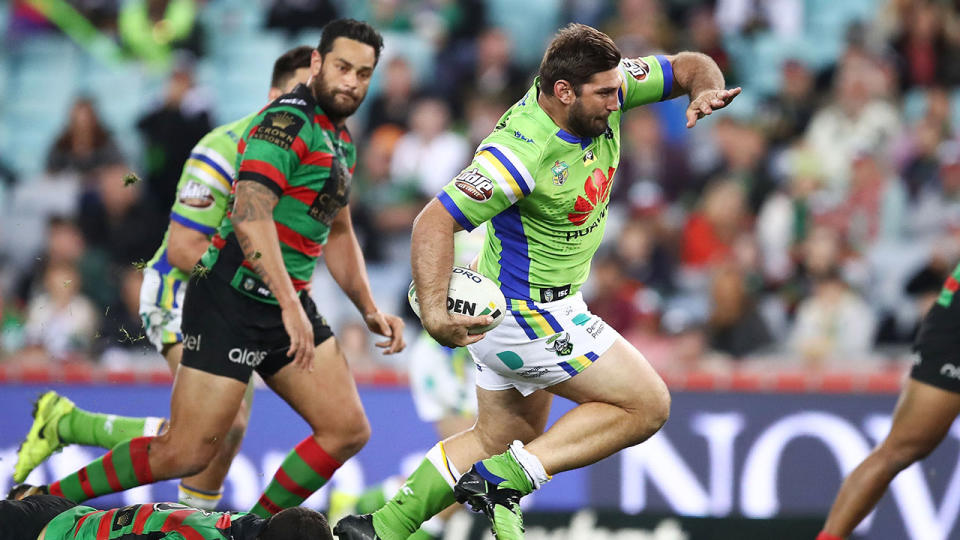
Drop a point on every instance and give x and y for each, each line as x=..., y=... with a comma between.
x=257, y=233
x=431, y=258
x=185, y=246
x=345, y=262
x=698, y=76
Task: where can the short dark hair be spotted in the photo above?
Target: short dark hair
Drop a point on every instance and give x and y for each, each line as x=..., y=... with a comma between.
x=575, y=54
x=285, y=66
x=350, y=29
x=297, y=523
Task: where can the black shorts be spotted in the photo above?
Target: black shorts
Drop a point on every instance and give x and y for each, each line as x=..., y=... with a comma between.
x=228, y=333
x=24, y=519
x=938, y=345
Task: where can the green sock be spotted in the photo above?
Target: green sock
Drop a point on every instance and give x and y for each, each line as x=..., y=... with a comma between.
x=104, y=430
x=306, y=469
x=426, y=492
x=124, y=467
x=505, y=471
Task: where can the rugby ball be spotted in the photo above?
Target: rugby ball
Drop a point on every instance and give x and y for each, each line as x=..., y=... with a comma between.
x=470, y=293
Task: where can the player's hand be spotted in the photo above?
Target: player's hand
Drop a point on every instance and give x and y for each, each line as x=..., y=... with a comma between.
x=453, y=330
x=390, y=326
x=298, y=327
x=709, y=101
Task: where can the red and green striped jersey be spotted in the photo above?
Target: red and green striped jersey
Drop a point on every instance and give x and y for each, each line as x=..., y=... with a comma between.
x=152, y=521
x=292, y=148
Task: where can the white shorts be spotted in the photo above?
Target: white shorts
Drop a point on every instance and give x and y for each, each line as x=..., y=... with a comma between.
x=442, y=380
x=540, y=344
x=161, y=307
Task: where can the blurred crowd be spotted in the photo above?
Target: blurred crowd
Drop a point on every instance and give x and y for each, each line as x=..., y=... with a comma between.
x=811, y=225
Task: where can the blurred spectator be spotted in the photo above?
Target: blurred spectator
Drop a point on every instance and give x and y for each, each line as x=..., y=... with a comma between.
x=611, y=295
x=710, y=231
x=786, y=115
x=834, y=325
x=383, y=208
x=744, y=157
x=84, y=144
x=922, y=163
x=705, y=37
x=937, y=208
x=61, y=322
x=431, y=154
x=296, y=15
x=397, y=94
x=875, y=206
x=117, y=220
x=170, y=131
x=151, y=30
x=121, y=338
x=927, y=51
x=489, y=70
x=648, y=157
x=854, y=118
x=734, y=327
x=819, y=254
x=640, y=27
x=481, y=116
x=644, y=258
x=65, y=246
x=783, y=17
x=787, y=215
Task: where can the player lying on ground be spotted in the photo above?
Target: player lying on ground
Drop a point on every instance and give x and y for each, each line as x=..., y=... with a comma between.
x=541, y=181
x=249, y=309
x=48, y=517
x=201, y=203
x=928, y=405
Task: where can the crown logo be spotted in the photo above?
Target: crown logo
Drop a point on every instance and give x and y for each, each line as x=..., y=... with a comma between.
x=282, y=120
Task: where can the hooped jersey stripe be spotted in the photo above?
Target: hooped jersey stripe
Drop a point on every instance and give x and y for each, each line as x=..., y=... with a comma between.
x=191, y=224
x=206, y=173
x=512, y=168
x=454, y=210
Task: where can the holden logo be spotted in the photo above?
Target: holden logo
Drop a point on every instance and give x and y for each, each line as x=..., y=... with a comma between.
x=474, y=185
x=597, y=188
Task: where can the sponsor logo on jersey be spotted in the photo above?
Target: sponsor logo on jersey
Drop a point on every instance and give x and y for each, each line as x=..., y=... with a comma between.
x=560, y=344
x=608, y=134
x=597, y=190
x=279, y=128
x=246, y=356
x=475, y=185
x=293, y=101
x=637, y=68
x=586, y=231
x=191, y=343
x=522, y=137
x=560, y=172
x=196, y=195
x=534, y=372
x=501, y=125
x=554, y=293
x=589, y=158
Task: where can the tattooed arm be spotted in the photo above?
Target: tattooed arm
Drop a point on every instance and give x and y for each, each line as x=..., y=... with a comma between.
x=255, y=229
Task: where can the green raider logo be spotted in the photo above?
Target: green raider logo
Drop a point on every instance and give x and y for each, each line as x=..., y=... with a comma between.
x=560, y=344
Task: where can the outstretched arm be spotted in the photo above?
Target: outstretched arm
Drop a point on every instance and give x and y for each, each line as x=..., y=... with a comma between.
x=698, y=76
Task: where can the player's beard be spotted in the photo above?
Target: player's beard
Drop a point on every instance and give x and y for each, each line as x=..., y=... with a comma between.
x=584, y=124
x=327, y=99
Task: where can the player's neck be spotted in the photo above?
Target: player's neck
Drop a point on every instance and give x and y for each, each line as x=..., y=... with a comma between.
x=556, y=110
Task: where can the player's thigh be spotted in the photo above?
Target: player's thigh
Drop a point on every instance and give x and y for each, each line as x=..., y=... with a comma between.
x=507, y=415
x=202, y=408
x=921, y=419
x=621, y=376
x=326, y=396
x=173, y=353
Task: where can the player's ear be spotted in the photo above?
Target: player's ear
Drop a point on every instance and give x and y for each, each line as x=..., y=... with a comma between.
x=316, y=60
x=563, y=91
x=274, y=93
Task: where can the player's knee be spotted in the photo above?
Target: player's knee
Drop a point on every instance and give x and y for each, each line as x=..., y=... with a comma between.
x=898, y=455
x=652, y=414
x=352, y=436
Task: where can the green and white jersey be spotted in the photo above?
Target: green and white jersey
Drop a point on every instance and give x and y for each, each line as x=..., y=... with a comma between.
x=202, y=196
x=545, y=191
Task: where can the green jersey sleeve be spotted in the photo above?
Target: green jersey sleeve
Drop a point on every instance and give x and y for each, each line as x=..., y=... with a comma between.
x=206, y=181
x=275, y=146
x=645, y=80
x=501, y=173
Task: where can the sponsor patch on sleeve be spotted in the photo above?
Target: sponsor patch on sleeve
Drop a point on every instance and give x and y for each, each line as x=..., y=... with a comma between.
x=196, y=195
x=475, y=185
x=636, y=67
x=279, y=128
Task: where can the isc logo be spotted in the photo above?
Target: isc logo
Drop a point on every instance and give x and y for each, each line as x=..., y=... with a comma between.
x=461, y=306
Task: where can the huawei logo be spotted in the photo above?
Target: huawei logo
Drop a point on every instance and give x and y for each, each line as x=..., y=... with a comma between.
x=597, y=188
